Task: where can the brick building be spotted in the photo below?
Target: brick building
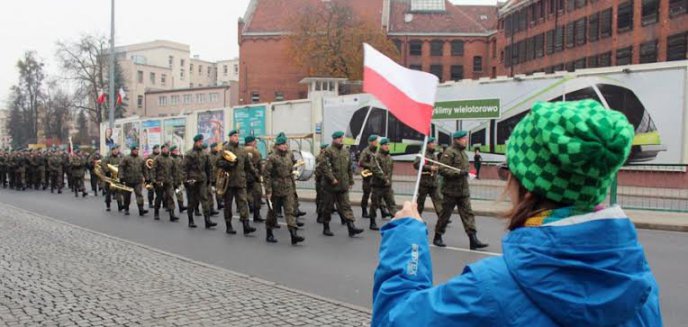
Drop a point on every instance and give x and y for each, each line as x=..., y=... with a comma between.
x=551, y=35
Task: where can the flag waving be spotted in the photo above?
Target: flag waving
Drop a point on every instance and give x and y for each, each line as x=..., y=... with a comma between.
x=120, y=96
x=408, y=94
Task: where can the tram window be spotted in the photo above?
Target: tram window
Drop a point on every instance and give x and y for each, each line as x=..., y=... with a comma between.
x=357, y=122
x=375, y=124
x=506, y=126
x=478, y=138
x=398, y=131
x=582, y=94
x=624, y=100
x=443, y=138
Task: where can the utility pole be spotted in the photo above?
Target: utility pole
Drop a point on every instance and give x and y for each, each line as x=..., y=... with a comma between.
x=111, y=95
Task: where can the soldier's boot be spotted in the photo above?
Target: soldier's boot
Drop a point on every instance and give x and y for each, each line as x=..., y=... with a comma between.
x=269, y=237
x=353, y=231
x=295, y=238
x=120, y=206
x=190, y=215
x=83, y=193
x=373, y=224
x=209, y=223
x=142, y=211
x=173, y=218
x=156, y=214
x=107, y=206
x=214, y=213
x=341, y=218
x=299, y=222
x=181, y=207
x=326, y=230
x=300, y=213
x=230, y=229
x=438, y=240
x=198, y=212
x=364, y=212
x=257, y=217
x=319, y=220
x=126, y=211
x=59, y=191
x=385, y=213
x=76, y=193
x=247, y=228
x=475, y=242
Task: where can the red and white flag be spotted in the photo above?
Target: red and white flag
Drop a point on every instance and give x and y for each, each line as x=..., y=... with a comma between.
x=408, y=94
x=102, y=97
x=120, y=96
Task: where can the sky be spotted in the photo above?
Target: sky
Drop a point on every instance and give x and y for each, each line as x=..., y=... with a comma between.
x=208, y=26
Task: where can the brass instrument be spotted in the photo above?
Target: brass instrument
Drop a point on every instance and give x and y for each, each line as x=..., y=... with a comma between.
x=295, y=168
x=222, y=176
x=229, y=156
x=149, y=163
x=365, y=173
x=112, y=181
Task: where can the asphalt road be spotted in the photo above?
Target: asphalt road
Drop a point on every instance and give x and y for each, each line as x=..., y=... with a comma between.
x=335, y=267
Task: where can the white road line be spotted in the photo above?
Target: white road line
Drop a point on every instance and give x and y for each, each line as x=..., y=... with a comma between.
x=468, y=251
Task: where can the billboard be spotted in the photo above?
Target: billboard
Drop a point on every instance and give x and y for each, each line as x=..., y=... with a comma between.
x=174, y=131
x=130, y=135
x=251, y=121
x=211, y=125
x=151, y=134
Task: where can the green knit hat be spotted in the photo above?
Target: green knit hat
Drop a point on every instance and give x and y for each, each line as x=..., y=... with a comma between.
x=569, y=152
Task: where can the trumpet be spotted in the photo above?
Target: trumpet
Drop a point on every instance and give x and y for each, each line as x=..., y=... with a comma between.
x=366, y=173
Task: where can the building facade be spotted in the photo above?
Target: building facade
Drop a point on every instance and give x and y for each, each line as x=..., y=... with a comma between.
x=175, y=102
x=5, y=139
x=227, y=71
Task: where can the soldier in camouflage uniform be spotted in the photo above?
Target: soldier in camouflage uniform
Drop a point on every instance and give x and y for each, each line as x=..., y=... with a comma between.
x=382, y=167
x=42, y=165
x=95, y=183
x=337, y=180
x=77, y=164
x=132, y=172
x=236, y=190
x=55, y=168
x=20, y=170
x=253, y=190
x=114, y=159
x=456, y=192
x=364, y=162
x=3, y=168
x=31, y=169
x=428, y=180
x=67, y=169
x=213, y=197
x=195, y=172
x=163, y=175
x=178, y=178
x=278, y=177
x=319, y=207
x=152, y=192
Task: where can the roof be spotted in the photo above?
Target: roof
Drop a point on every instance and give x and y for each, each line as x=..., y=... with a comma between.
x=218, y=87
x=456, y=19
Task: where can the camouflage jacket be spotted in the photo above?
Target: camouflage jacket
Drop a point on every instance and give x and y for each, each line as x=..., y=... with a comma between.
x=164, y=170
x=382, y=168
x=365, y=161
x=428, y=179
x=55, y=162
x=277, y=176
x=336, y=165
x=132, y=170
x=455, y=182
x=239, y=169
x=178, y=175
x=196, y=166
x=78, y=165
x=255, y=159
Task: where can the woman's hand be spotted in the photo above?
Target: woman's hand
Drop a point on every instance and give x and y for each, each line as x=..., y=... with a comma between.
x=409, y=210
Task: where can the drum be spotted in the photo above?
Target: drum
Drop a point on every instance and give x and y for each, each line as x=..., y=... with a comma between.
x=305, y=170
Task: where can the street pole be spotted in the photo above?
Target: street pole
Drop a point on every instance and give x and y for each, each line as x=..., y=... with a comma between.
x=111, y=94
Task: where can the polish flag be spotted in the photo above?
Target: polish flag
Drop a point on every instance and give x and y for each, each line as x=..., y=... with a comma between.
x=120, y=96
x=101, y=97
x=408, y=94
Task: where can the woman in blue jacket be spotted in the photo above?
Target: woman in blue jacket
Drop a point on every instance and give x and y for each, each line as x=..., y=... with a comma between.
x=566, y=262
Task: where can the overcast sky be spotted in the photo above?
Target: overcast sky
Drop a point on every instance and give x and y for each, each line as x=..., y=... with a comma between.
x=208, y=26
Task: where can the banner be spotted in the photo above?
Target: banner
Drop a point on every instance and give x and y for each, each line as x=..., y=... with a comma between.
x=467, y=109
x=251, y=121
x=151, y=134
x=131, y=135
x=211, y=125
x=174, y=131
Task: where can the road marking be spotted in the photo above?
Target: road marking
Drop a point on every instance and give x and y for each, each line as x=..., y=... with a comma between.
x=468, y=250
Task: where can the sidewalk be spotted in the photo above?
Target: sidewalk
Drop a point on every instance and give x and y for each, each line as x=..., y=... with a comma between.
x=56, y=274
x=658, y=220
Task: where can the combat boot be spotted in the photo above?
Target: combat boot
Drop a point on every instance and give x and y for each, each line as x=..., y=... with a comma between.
x=142, y=212
x=59, y=191
x=364, y=214
x=300, y=213
x=299, y=222
x=230, y=229
x=475, y=243
x=385, y=213
x=437, y=241
x=209, y=223
x=191, y=219
x=373, y=225
x=247, y=228
x=257, y=218
x=107, y=206
x=198, y=212
x=214, y=213
x=84, y=194
x=319, y=220
x=269, y=237
x=173, y=218
x=181, y=207
x=156, y=214
x=353, y=231
x=295, y=238
x=126, y=211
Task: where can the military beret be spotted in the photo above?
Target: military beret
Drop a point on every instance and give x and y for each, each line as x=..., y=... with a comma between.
x=134, y=147
x=459, y=134
x=112, y=147
x=233, y=132
x=198, y=137
x=213, y=145
x=249, y=139
x=323, y=146
x=164, y=146
x=431, y=139
x=157, y=146
x=280, y=140
x=337, y=134
x=172, y=148
x=372, y=138
x=384, y=141
x=205, y=145
x=281, y=134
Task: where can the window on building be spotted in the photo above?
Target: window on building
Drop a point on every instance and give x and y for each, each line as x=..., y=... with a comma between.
x=225, y=70
x=624, y=56
x=437, y=71
x=624, y=17
x=579, y=64
x=550, y=6
x=162, y=101
x=570, y=36
x=559, y=39
x=457, y=48
x=594, y=27
x=650, y=13
x=210, y=69
x=416, y=67
x=456, y=72
x=174, y=100
x=201, y=98
x=558, y=68
x=170, y=60
x=506, y=56
x=191, y=69
x=397, y=44
x=508, y=27
x=163, y=79
x=677, y=46
x=522, y=51
x=477, y=64
x=139, y=76
x=214, y=97
x=549, y=44
x=255, y=96
x=592, y=62
x=236, y=69
x=191, y=85
x=570, y=5
x=188, y=98
x=523, y=20
x=605, y=60
x=648, y=52
x=539, y=45
x=530, y=49
x=570, y=66
x=606, y=23
x=580, y=30
x=677, y=7
x=580, y=3
x=139, y=102
x=279, y=96
x=560, y=5
x=151, y=77
x=416, y=48
x=436, y=47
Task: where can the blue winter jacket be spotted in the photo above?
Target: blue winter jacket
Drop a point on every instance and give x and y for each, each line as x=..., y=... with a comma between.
x=585, y=270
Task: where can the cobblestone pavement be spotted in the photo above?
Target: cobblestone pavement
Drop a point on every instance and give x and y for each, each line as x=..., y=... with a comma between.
x=56, y=274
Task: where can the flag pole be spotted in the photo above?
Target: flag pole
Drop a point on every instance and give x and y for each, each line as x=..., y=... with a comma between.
x=420, y=169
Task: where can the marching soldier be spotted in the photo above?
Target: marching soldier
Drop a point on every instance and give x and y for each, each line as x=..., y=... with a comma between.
x=337, y=180
x=178, y=178
x=213, y=197
x=114, y=158
x=32, y=169
x=238, y=171
x=20, y=170
x=319, y=207
x=42, y=165
x=382, y=167
x=132, y=172
x=252, y=184
x=428, y=180
x=67, y=169
x=56, y=175
x=163, y=176
x=77, y=164
x=3, y=168
x=152, y=192
x=456, y=192
x=364, y=162
x=195, y=169
x=278, y=178
x=95, y=183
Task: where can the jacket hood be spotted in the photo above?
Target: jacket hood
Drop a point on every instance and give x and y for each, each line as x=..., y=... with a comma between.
x=582, y=270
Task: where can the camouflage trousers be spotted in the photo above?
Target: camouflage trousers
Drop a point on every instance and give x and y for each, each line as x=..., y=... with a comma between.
x=341, y=199
x=197, y=193
x=463, y=205
x=289, y=205
x=238, y=194
x=254, y=193
x=382, y=197
x=138, y=192
x=367, y=188
x=78, y=185
x=435, y=197
x=163, y=196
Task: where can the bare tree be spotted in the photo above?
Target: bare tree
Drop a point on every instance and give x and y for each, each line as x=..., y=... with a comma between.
x=58, y=104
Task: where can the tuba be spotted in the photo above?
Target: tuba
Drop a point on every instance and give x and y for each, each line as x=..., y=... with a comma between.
x=366, y=173
x=149, y=164
x=222, y=176
x=112, y=181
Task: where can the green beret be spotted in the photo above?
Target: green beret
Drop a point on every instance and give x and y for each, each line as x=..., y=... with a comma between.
x=372, y=138
x=459, y=134
x=112, y=147
x=281, y=134
x=213, y=145
x=172, y=148
x=280, y=140
x=431, y=139
x=384, y=141
x=205, y=146
x=134, y=147
x=198, y=137
x=164, y=146
x=337, y=134
x=157, y=146
x=233, y=132
x=324, y=146
x=249, y=139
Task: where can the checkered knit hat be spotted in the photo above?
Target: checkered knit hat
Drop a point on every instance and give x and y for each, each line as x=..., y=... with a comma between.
x=569, y=152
